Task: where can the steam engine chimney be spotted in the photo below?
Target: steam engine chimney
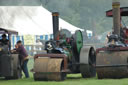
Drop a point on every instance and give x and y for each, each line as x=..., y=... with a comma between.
x=55, y=17
x=116, y=18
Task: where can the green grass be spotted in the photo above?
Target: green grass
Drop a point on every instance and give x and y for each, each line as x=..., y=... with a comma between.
x=72, y=79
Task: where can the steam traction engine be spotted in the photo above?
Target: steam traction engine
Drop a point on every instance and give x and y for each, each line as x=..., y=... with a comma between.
x=65, y=54
x=112, y=60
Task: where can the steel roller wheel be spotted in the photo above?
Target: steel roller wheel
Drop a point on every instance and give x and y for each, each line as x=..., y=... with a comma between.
x=112, y=64
x=87, y=67
x=48, y=69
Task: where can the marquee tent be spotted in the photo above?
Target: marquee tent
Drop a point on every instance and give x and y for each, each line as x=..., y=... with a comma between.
x=33, y=20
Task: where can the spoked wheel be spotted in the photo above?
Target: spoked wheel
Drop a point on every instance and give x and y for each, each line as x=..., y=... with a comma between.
x=77, y=44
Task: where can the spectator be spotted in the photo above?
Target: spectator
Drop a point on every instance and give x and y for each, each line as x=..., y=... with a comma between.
x=38, y=46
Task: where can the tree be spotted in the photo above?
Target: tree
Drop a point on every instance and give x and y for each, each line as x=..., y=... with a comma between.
x=85, y=14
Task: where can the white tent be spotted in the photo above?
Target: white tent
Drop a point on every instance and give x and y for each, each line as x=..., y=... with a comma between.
x=89, y=33
x=32, y=20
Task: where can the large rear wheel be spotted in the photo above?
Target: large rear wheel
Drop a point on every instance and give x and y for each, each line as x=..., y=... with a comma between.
x=88, y=62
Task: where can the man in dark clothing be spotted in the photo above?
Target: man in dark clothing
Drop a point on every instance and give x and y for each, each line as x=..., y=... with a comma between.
x=23, y=57
x=4, y=40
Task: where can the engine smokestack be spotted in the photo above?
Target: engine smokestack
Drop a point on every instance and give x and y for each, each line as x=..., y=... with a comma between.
x=116, y=18
x=55, y=19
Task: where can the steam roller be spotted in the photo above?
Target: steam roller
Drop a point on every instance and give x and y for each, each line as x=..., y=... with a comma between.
x=112, y=59
x=65, y=54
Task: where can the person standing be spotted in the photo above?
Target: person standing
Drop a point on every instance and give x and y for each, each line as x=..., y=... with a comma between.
x=38, y=46
x=23, y=56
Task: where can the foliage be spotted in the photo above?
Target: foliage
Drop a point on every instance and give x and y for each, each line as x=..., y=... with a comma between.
x=85, y=14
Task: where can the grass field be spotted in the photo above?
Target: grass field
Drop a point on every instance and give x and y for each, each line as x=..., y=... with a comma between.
x=72, y=79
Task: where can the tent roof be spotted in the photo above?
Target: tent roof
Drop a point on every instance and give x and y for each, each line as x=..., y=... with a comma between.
x=32, y=20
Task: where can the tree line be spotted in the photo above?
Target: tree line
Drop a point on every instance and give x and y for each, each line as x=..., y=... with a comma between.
x=85, y=14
